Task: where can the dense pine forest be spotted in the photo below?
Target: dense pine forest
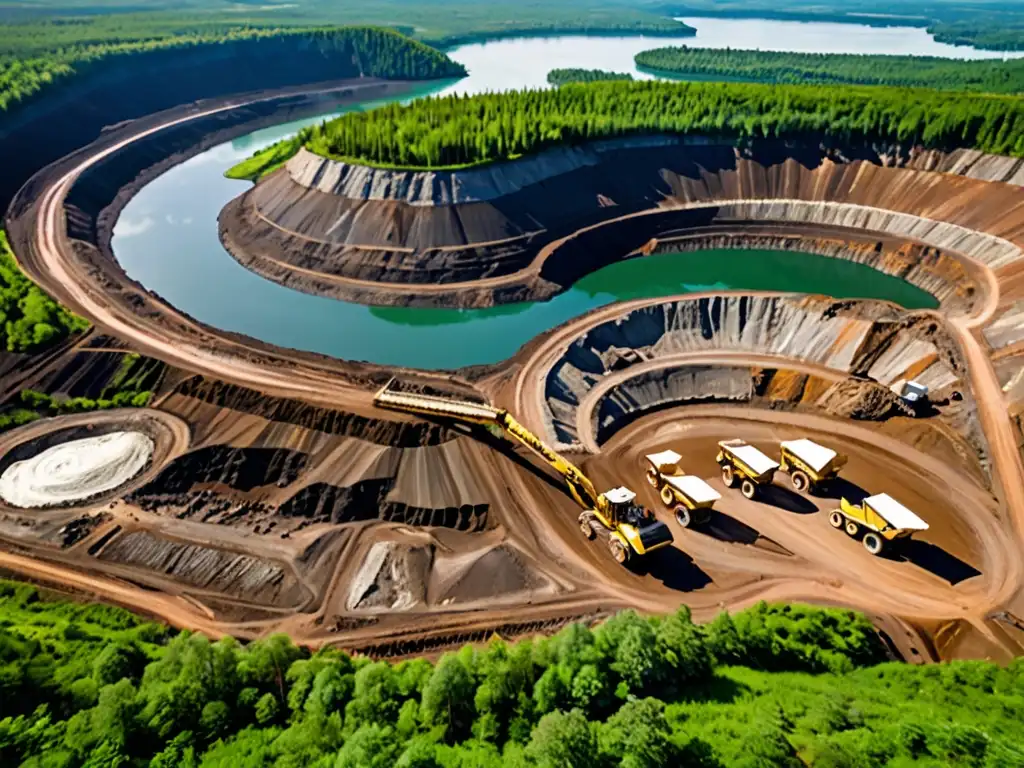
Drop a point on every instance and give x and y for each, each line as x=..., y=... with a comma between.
x=458, y=131
x=1003, y=32
x=96, y=686
x=563, y=76
x=350, y=51
x=775, y=67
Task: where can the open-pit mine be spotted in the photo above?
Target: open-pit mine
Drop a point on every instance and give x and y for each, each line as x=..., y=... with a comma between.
x=264, y=490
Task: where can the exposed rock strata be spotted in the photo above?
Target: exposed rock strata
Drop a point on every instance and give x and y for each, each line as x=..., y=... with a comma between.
x=369, y=234
x=867, y=339
x=939, y=274
x=206, y=568
x=690, y=384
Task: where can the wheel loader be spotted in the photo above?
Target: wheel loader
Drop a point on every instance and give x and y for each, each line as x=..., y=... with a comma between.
x=629, y=529
x=689, y=497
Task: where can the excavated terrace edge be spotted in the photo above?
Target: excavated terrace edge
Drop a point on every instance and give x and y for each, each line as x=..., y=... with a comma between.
x=979, y=253
x=494, y=180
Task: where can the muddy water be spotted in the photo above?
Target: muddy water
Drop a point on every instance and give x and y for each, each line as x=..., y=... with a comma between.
x=166, y=238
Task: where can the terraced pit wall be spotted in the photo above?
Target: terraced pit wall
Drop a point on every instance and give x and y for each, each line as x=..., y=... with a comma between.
x=650, y=355
x=532, y=226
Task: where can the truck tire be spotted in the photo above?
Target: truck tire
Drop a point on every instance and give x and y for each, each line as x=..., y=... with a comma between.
x=728, y=476
x=835, y=519
x=618, y=550
x=852, y=528
x=683, y=517
x=748, y=489
x=652, y=477
x=801, y=482
x=586, y=528
x=668, y=498
x=874, y=543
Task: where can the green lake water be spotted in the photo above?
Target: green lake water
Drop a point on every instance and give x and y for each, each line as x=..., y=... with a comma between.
x=166, y=237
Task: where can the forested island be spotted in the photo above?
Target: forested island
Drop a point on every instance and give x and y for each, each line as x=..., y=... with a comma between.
x=853, y=69
x=458, y=132
x=1004, y=32
x=780, y=686
x=563, y=76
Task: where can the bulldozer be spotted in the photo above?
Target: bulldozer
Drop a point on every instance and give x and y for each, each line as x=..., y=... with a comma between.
x=630, y=530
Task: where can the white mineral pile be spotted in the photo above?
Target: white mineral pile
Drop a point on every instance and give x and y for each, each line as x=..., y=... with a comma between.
x=76, y=470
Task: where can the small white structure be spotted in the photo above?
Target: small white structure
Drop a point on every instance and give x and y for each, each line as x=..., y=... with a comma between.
x=912, y=392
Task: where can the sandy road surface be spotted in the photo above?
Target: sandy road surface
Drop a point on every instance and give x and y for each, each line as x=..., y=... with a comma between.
x=753, y=551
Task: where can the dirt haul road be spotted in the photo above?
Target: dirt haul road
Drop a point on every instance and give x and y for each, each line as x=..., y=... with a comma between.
x=964, y=569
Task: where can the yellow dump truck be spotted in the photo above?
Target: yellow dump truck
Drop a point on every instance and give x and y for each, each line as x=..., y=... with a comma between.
x=882, y=519
x=744, y=465
x=808, y=464
x=687, y=495
x=629, y=529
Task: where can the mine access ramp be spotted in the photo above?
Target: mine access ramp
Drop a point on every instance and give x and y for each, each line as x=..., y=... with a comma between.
x=687, y=495
x=628, y=528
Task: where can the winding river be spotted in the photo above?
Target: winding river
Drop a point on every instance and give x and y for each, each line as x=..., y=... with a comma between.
x=166, y=238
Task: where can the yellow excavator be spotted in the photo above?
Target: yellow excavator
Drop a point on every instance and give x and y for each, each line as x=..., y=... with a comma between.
x=630, y=529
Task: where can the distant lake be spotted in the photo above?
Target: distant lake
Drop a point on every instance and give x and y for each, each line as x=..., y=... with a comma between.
x=525, y=62
x=166, y=237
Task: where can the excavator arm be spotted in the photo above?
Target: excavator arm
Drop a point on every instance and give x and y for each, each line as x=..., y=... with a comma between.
x=638, y=532
x=580, y=486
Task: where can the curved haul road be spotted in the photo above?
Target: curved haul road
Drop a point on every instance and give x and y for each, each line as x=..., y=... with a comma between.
x=56, y=269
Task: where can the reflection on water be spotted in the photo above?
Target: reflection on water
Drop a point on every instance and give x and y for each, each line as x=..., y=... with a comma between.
x=166, y=238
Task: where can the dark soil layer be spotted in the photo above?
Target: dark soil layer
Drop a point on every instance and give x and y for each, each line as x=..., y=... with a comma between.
x=529, y=231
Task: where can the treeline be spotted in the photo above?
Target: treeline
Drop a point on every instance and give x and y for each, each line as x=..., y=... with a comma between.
x=563, y=76
x=32, y=406
x=96, y=686
x=29, y=319
x=131, y=385
x=437, y=22
x=990, y=76
x=612, y=23
x=997, y=32
x=456, y=131
x=353, y=51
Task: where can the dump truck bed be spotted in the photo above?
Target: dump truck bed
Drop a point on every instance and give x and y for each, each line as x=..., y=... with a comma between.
x=694, y=489
x=758, y=462
x=894, y=513
x=666, y=462
x=815, y=456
